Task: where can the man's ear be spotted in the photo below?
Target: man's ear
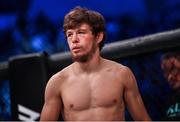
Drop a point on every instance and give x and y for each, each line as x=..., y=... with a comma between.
x=99, y=37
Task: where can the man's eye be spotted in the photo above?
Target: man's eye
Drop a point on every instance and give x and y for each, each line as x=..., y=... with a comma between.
x=81, y=32
x=69, y=35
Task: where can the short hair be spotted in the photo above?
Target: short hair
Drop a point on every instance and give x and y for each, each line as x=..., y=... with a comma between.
x=80, y=15
x=174, y=54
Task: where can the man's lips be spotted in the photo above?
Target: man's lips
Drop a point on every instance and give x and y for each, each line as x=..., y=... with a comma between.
x=76, y=49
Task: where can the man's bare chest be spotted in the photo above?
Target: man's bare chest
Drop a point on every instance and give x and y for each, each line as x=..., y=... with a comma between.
x=81, y=93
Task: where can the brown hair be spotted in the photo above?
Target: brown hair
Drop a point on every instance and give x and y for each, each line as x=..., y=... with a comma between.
x=80, y=15
x=175, y=54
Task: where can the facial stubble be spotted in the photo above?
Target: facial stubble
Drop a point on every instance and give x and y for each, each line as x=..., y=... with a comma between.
x=85, y=57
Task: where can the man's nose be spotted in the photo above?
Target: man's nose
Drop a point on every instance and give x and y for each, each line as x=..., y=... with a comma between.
x=75, y=38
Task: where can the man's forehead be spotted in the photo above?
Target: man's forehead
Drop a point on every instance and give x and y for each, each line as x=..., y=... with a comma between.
x=83, y=26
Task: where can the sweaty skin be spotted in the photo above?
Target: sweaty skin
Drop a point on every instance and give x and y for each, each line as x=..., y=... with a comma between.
x=92, y=88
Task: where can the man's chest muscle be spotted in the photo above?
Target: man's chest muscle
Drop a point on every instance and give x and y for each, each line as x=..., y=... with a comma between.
x=97, y=92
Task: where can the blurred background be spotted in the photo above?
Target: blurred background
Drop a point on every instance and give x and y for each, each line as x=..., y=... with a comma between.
x=28, y=26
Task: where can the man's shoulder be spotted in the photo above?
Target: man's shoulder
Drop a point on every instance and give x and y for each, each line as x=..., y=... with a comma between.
x=62, y=75
x=121, y=72
x=120, y=69
x=116, y=65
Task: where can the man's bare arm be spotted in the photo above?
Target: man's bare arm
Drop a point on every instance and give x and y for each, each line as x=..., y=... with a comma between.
x=133, y=98
x=52, y=106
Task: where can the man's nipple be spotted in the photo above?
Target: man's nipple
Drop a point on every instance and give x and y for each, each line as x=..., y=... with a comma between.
x=71, y=106
x=114, y=101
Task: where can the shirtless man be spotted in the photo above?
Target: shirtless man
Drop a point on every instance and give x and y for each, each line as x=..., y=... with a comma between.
x=92, y=88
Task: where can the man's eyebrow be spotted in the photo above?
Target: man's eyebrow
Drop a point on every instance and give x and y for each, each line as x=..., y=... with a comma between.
x=82, y=29
x=69, y=31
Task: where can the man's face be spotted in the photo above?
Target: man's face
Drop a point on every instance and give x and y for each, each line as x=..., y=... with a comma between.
x=171, y=68
x=82, y=42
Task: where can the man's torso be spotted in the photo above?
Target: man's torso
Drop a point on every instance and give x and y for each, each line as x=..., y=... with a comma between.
x=95, y=96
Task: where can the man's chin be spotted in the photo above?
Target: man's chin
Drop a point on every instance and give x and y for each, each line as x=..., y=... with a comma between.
x=82, y=58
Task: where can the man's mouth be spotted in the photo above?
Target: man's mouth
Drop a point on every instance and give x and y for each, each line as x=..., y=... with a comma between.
x=76, y=49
